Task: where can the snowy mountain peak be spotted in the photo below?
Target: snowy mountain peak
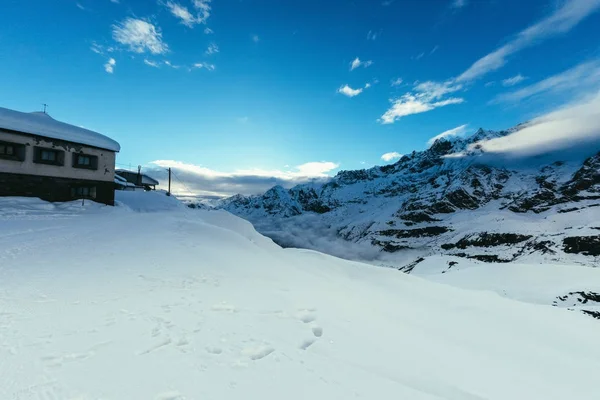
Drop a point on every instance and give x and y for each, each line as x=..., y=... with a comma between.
x=428, y=199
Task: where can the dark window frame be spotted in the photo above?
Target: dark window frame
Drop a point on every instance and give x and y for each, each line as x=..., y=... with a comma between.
x=93, y=165
x=59, y=158
x=84, y=192
x=18, y=151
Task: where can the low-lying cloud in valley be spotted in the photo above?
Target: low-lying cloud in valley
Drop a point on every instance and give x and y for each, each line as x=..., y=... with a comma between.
x=195, y=180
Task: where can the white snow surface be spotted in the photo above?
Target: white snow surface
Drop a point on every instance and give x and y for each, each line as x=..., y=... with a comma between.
x=152, y=300
x=39, y=123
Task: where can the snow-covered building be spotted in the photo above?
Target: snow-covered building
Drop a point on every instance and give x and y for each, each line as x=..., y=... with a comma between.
x=46, y=158
x=138, y=179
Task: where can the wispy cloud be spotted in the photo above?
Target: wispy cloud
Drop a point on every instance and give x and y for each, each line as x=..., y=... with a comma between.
x=512, y=81
x=203, y=8
x=212, y=49
x=206, y=181
x=560, y=21
x=181, y=12
x=568, y=126
x=255, y=38
x=114, y=1
x=200, y=13
x=435, y=48
x=387, y=157
x=584, y=77
x=80, y=6
x=169, y=64
x=373, y=35
x=426, y=96
x=139, y=36
x=490, y=84
x=348, y=91
x=397, y=82
x=387, y=3
x=208, y=31
x=150, y=63
x=110, y=65
x=206, y=66
x=418, y=56
x=358, y=63
x=459, y=3
x=458, y=131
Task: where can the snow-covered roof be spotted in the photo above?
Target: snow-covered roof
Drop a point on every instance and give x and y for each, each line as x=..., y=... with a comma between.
x=39, y=123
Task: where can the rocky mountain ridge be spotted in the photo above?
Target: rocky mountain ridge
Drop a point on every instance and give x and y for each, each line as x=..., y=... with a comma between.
x=442, y=200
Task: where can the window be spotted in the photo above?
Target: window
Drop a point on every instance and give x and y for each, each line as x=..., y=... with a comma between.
x=49, y=156
x=85, y=161
x=12, y=151
x=83, y=192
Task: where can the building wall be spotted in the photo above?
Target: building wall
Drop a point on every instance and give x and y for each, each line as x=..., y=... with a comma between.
x=106, y=159
x=54, y=189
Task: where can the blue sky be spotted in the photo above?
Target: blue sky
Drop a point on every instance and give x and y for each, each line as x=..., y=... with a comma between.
x=285, y=90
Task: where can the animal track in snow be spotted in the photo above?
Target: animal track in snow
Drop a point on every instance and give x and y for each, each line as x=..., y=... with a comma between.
x=258, y=352
x=306, y=316
x=172, y=395
x=224, y=307
x=214, y=350
x=157, y=346
x=317, y=331
x=307, y=343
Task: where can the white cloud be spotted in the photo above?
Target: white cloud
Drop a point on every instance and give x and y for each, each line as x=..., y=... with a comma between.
x=212, y=49
x=513, y=80
x=367, y=85
x=560, y=21
x=583, y=77
x=181, y=12
x=114, y=1
x=419, y=56
x=372, y=35
x=490, y=84
x=458, y=3
x=208, y=31
x=568, y=126
x=435, y=48
x=80, y=6
x=110, y=65
x=203, y=8
x=397, y=82
x=205, y=181
x=387, y=157
x=348, y=91
x=426, y=96
x=168, y=63
x=206, y=66
x=458, y=131
x=357, y=63
x=255, y=38
x=140, y=36
x=151, y=63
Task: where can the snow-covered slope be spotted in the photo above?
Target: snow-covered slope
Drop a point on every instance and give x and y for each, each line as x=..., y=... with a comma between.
x=450, y=199
x=151, y=300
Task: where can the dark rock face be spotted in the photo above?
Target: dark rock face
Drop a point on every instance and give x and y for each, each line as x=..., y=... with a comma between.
x=486, y=239
x=415, y=233
x=407, y=269
x=418, y=217
x=587, y=245
x=421, y=192
x=583, y=185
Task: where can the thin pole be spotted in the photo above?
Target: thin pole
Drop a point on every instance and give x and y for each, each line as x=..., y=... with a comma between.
x=169, y=192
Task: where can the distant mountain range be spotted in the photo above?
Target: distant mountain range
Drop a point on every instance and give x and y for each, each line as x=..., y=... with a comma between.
x=449, y=199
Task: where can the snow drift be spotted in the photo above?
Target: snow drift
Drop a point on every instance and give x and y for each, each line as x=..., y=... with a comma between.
x=122, y=303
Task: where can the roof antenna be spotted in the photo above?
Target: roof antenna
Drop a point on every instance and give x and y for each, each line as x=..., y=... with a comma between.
x=45, y=105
